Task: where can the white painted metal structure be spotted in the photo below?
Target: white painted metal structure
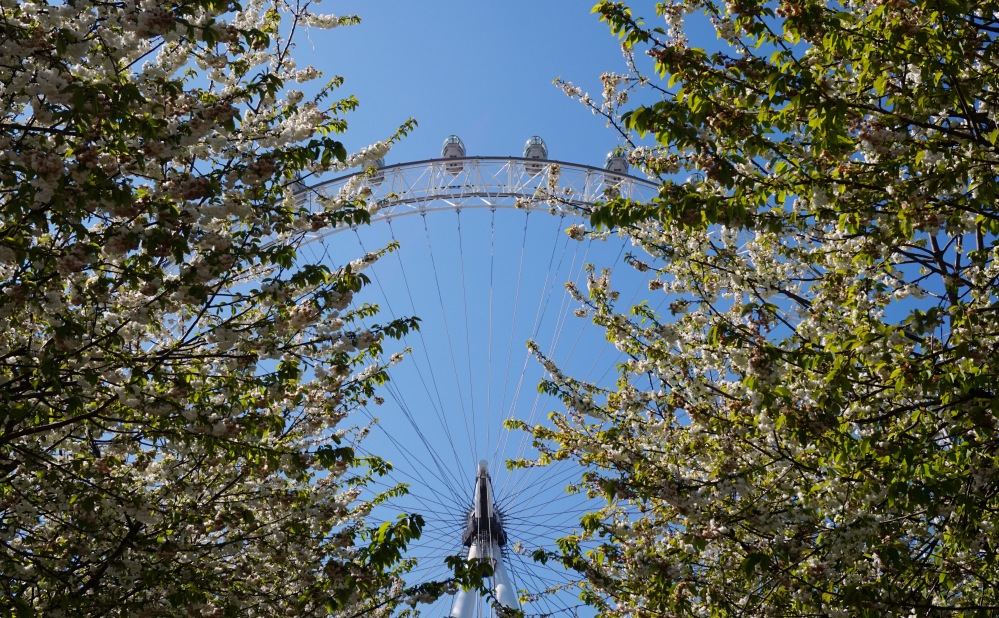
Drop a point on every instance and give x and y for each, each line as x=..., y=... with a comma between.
x=490, y=182
x=453, y=183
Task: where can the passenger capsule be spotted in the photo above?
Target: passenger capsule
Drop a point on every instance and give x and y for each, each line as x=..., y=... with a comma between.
x=535, y=149
x=617, y=161
x=453, y=149
x=617, y=164
x=379, y=175
x=299, y=189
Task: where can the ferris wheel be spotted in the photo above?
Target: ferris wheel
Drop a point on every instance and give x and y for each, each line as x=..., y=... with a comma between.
x=486, y=246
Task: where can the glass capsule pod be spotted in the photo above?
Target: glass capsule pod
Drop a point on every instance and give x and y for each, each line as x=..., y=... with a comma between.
x=453, y=149
x=535, y=149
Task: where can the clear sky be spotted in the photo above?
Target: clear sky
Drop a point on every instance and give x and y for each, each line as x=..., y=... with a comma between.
x=481, y=70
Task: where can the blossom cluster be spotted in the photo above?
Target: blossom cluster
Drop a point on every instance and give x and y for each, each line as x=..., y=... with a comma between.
x=176, y=378
x=807, y=427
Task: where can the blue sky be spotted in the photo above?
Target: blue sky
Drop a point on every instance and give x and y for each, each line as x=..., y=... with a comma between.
x=482, y=70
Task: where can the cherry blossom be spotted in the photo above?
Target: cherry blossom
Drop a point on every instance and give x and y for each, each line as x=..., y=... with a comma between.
x=176, y=380
x=807, y=425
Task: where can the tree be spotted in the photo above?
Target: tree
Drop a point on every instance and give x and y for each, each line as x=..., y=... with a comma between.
x=175, y=380
x=808, y=426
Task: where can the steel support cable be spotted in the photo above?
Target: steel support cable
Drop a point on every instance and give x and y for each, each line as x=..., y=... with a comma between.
x=556, y=474
x=580, y=332
x=448, y=532
x=567, y=301
x=522, y=570
x=519, y=499
x=501, y=445
x=430, y=448
x=538, y=528
x=564, y=309
x=546, y=293
x=603, y=349
x=532, y=532
x=560, y=321
x=597, y=358
x=374, y=276
x=505, y=556
x=522, y=509
x=424, y=500
x=417, y=461
x=489, y=351
x=440, y=542
x=468, y=336
x=437, y=572
x=433, y=498
x=400, y=401
x=447, y=334
x=534, y=527
x=557, y=572
x=436, y=402
x=433, y=572
x=534, y=512
x=546, y=571
x=513, y=327
x=539, y=316
x=530, y=575
x=620, y=355
x=534, y=517
x=442, y=476
x=548, y=578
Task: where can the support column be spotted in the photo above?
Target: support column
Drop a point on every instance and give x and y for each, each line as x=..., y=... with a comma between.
x=484, y=536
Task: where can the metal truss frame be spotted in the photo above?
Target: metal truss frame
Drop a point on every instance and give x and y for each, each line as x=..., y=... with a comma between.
x=486, y=182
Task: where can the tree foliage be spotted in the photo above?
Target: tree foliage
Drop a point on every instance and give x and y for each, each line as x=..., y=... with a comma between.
x=174, y=378
x=808, y=425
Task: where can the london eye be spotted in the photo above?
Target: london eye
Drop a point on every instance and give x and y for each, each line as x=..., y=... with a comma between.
x=486, y=249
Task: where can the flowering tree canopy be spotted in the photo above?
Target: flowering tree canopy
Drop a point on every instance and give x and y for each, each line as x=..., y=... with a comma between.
x=806, y=424
x=174, y=378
